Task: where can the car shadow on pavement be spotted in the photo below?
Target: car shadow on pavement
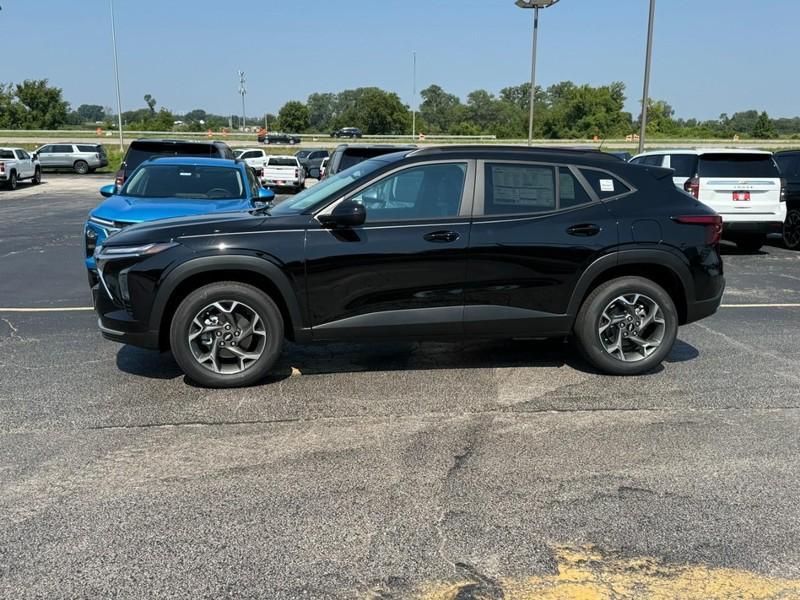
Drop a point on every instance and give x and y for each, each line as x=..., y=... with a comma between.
x=332, y=358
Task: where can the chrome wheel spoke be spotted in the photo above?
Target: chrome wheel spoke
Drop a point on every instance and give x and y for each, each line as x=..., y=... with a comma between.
x=631, y=327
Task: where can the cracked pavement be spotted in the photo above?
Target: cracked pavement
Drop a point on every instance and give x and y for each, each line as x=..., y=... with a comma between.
x=388, y=470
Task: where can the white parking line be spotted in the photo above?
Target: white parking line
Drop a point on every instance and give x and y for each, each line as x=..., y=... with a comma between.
x=46, y=310
x=785, y=305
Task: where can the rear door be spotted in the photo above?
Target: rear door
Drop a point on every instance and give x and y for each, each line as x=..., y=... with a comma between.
x=536, y=228
x=740, y=186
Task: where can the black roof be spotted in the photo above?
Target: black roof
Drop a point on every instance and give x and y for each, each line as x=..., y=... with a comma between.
x=176, y=141
x=507, y=149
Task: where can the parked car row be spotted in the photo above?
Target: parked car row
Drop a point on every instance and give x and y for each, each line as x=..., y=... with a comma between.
x=744, y=187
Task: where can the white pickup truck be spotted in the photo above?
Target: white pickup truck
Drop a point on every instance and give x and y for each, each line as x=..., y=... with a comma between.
x=284, y=172
x=254, y=157
x=16, y=164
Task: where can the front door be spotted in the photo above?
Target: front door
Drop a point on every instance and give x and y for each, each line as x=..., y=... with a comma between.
x=403, y=272
x=536, y=229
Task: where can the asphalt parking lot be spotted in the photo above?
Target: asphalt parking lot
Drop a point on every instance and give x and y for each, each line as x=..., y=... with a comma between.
x=472, y=470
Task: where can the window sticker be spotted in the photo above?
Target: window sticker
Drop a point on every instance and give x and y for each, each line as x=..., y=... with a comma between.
x=606, y=185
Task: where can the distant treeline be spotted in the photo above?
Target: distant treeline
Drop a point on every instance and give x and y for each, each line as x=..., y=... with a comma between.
x=563, y=111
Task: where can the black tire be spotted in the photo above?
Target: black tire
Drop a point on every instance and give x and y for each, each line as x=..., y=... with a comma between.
x=588, y=321
x=750, y=243
x=791, y=229
x=223, y=291
x=81, y=167
x=37, y=177
x=12, y=181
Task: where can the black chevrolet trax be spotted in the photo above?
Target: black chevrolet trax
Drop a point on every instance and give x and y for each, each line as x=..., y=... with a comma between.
x=435, y=243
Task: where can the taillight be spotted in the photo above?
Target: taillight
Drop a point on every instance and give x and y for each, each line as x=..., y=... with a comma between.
x=2, y=167
x=713, y=224
x=783, y=190
x=296, y=173
x=120, y=180
x=692, y=186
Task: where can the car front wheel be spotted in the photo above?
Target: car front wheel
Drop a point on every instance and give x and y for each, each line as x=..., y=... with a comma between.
x=12, y=181
x=791, y=229
x=37, y=176
x=626, y=326
x=226, y=334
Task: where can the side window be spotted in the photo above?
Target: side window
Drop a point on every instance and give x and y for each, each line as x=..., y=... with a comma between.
x=46, y=150
x=250, y=155
x=656, y=160
x=425, y=192
x=604, y=184
x=22, y=155
x=684, y=165
x=252, y=181
x=62, y=148
x=570, y=190
x=519, y=189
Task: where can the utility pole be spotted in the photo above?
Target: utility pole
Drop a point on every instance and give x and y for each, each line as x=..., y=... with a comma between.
x=242, y=91
x=116, y=76
x=414, y=97
x=647, y=61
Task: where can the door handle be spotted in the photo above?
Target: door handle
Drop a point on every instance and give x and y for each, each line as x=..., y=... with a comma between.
x=441, y=237
x=584, y=230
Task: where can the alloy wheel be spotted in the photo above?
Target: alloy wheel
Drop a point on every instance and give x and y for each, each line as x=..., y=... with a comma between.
x=791, y=229
x=631, y=327
x=227, y=337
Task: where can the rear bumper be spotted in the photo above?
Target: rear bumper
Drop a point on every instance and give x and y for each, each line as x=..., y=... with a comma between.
x=751, y=227
x=700, y=309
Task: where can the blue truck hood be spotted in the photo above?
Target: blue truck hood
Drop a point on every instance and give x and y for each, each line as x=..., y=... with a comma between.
x=138, y=210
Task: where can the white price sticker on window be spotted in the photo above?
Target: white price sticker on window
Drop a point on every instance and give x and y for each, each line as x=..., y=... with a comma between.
x=606, y=185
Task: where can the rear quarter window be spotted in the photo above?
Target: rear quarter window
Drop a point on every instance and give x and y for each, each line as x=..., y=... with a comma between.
x=83, y=148
x=684, y=165
x=605, y=185
x=737, y=166
x=789, y=166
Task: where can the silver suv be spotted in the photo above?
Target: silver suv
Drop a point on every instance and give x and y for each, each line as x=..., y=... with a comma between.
x=81, y=158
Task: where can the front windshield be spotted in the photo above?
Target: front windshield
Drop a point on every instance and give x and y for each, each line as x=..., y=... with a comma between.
x=327, y=187
x=238, y=153
x=198, y=182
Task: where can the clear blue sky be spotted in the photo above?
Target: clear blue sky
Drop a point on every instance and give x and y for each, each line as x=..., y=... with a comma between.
x=711, y=56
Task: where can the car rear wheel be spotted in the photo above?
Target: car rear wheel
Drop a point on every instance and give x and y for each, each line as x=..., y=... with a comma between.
x=791, y=229
x=750, y=243
x=81, y=167
x=226, y=334
x=626, y=326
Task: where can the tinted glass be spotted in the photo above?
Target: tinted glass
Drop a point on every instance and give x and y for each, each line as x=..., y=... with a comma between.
x=45, y=149
x=83, y=148
x=570, y=190
x=282, y=162
x=252, y=182
x=353, y=156
x=512, y=189
x=303, y=153
x=6, y=154
x=252, y=154
x=737, y=165
x=23, y=155
x=789, y=166
x=178, y=181
x=425, y=192
x=327, y=188
x=656, y=160
x=684, y=165
x=604, y=184
x=62, y=148
x=138, y=152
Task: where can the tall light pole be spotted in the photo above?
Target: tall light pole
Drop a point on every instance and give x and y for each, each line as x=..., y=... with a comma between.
x=242, y=91
x=116, y=76
x=648, y=59
x=414, y=96
x=535, y=5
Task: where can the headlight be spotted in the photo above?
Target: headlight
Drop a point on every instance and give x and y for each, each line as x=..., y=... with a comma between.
x=112, y=252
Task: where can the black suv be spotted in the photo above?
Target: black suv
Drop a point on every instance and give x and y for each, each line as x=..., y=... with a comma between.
x=435, y=243
x=142, y=150
x=347, y=155
x=789, y=165
x=311, y=159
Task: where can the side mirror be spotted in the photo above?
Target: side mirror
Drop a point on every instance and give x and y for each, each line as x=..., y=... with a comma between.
x=35, y=156
x=108, y=190
x=347, y=214
x=313, y=172
x=264, y=198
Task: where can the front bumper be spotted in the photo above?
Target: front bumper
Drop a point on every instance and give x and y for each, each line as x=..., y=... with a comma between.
x=116, y=324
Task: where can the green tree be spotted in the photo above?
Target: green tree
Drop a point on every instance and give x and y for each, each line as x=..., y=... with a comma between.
x=321, y=111
x=91, y=113
x=39, y=106
x=764, y=128
x=151, y=103
x=293, y=117
x=439, y=109
x=373, y=110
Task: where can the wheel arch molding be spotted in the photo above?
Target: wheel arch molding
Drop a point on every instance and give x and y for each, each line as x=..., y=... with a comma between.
x=259, y=272
x=659, y=265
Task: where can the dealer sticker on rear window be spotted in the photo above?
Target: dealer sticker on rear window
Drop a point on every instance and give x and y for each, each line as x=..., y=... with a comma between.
x=606, y=185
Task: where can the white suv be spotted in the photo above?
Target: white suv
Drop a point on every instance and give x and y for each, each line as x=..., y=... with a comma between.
x=743, y=186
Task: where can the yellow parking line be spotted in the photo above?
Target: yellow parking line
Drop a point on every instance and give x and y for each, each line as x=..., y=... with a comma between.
x=46, y=310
